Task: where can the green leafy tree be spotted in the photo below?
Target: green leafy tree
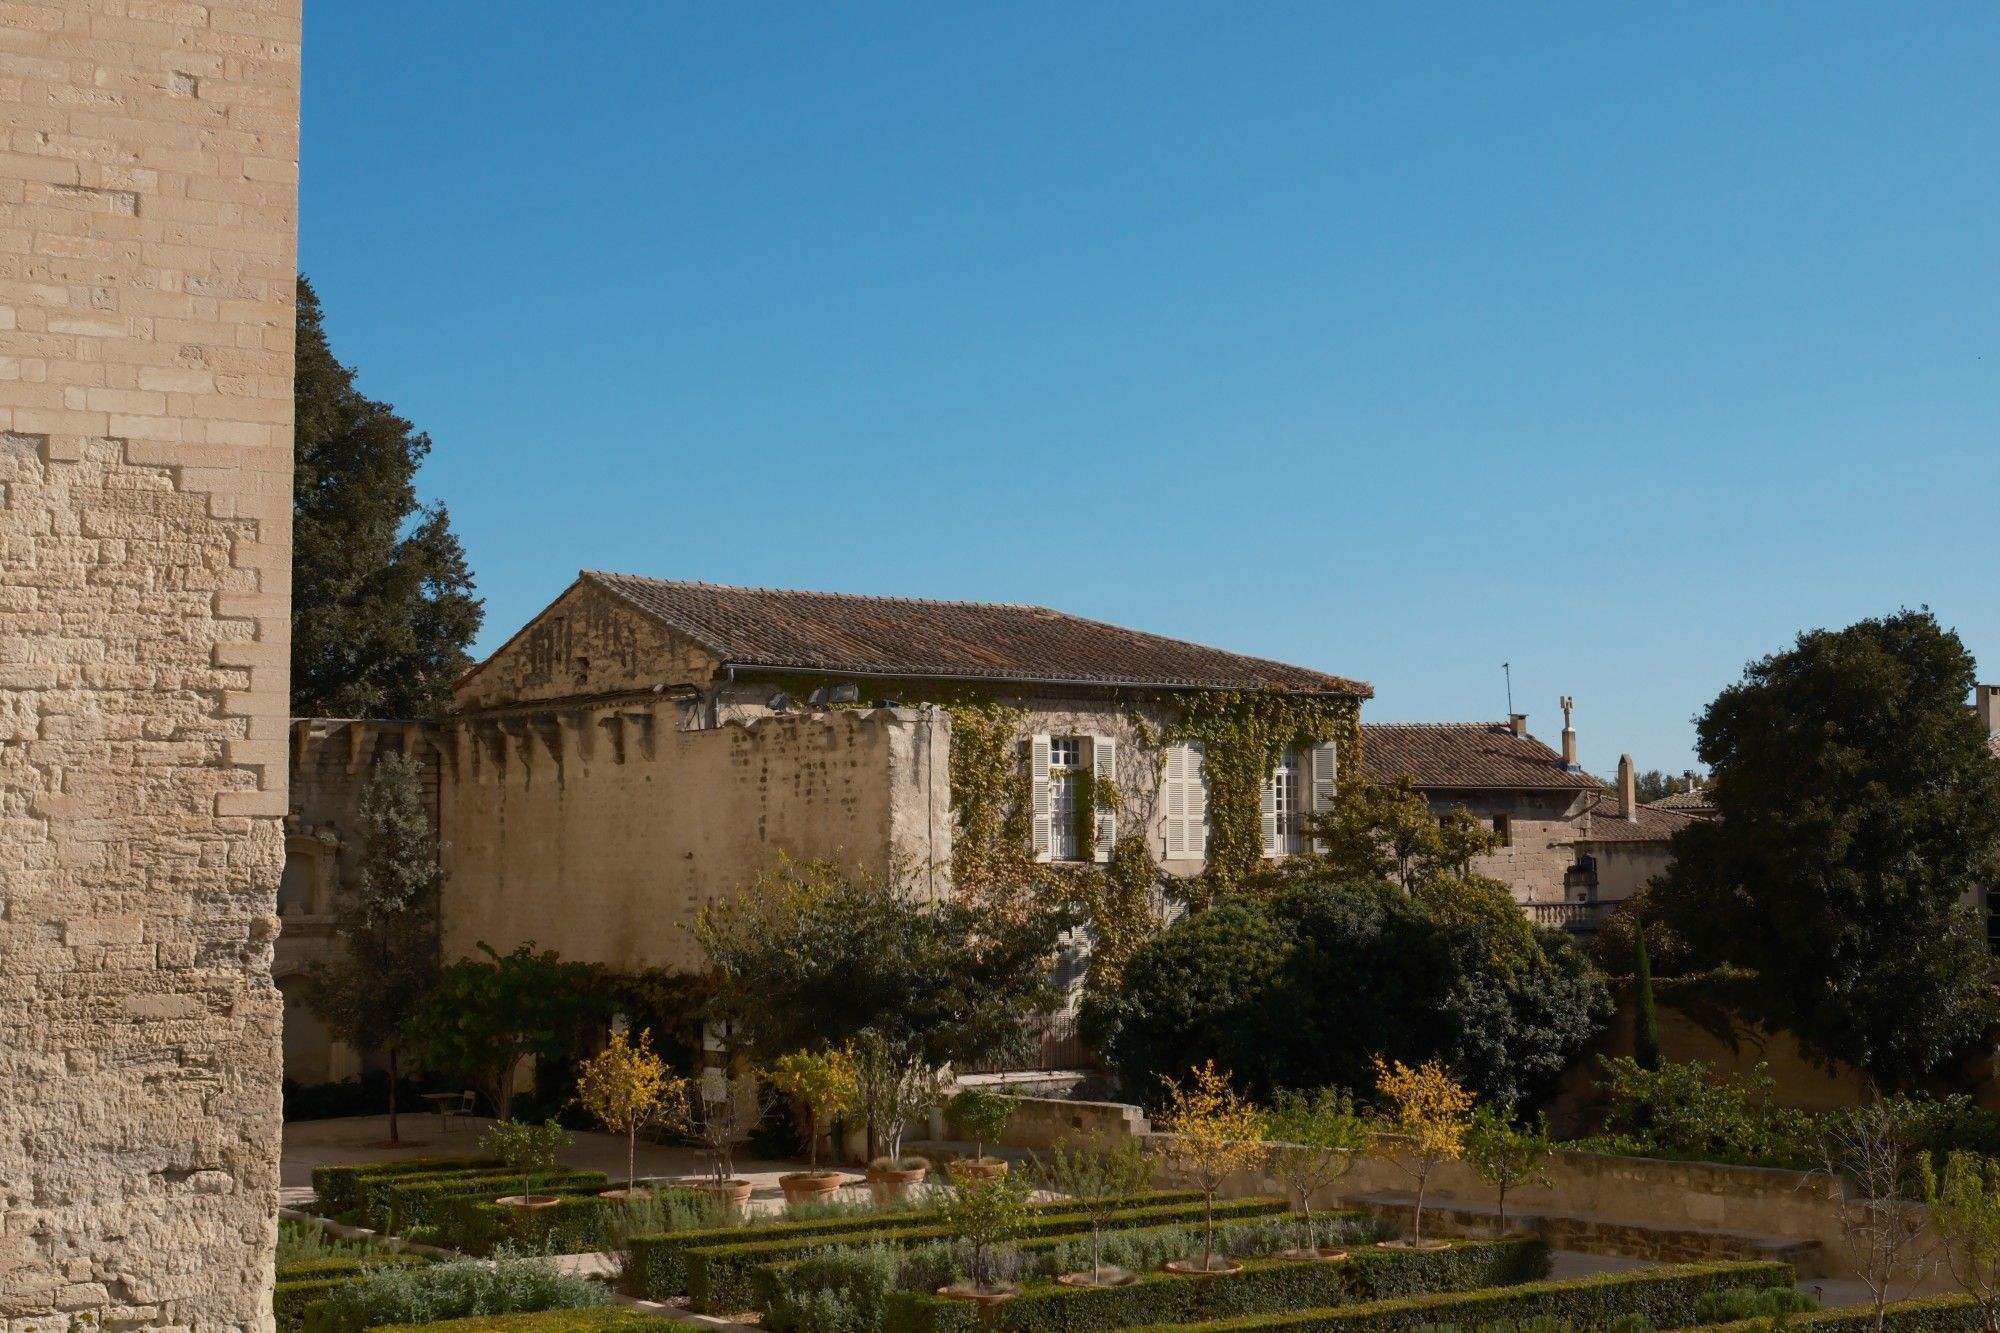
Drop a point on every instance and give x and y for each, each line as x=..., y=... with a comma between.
x=1965, y=1205
x=1387, y=831
x=1314, y=1140
x=1645, y=1020
x=382, y=604
x=486, y=1015
x=1098, y=1177
x=1651, y=784
x=987, y=1212
x=1504, y=1154
x=525, y=1148
x=387, y=926
x=983, y=1115
x=811, y=956
x=1859, y=811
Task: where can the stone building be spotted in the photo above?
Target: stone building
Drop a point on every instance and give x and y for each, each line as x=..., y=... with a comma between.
x=147, y=262
x=643, y=747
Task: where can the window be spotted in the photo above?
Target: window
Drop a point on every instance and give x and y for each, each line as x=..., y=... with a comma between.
x=1281, y=806
x=1065, y=767
x=1504, y=826
x=1184, y=795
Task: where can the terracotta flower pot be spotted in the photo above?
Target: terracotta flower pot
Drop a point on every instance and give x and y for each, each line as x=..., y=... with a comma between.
x=893, y=1186
x=810, y=1186
x=1119, y=1278
x=1425, y=1246
x=1320, y=1255
x=985, y=1300
x=528, y=1202
x=733, y=1194
x=1192, y=1267
x=980, y=1168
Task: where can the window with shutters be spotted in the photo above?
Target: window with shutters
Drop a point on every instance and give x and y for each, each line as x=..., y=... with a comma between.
x=1185, y=798
x=1065, y=768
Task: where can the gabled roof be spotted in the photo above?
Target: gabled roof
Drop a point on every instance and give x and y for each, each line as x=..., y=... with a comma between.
x=1650, y=823
x=1696, y=802
x=844, y=634
x=1464, y=755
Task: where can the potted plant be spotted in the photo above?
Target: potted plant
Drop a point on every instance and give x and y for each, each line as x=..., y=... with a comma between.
x=983, y=1116
x=721, y=1121
x=1428, y=1115
x=528, y=1149
x=828, y=1083
x=1314, y=1139
x=896, y=1087
x=1097, y=1179
x=1210, y=1132
x=985, y=1211
x=627, y=1085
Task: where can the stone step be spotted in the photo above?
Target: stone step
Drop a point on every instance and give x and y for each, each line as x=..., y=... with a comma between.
x=1625, y=1237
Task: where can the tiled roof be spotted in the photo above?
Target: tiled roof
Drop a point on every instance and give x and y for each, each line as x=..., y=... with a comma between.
x=1464, y=755
x=905, y=637
x=1696, y=802
x=1993, y=743
x=1650, y=823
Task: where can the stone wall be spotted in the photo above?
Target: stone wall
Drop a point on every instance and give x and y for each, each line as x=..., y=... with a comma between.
x=147, y=260
x=601, y=832
x=1541, y=827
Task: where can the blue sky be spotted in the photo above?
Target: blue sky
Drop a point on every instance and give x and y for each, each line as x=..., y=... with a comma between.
x=1615, y=342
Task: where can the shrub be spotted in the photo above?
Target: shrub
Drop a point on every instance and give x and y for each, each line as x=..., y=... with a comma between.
x=1926, y=1314
x=1685, y=1110
x=336, y=1188
x=453, y=1290
x=302, y=1283
x=601, y=1319
x=303, y=1243
x=835, y=1289
x=1719, y=1307
x=424, y=1202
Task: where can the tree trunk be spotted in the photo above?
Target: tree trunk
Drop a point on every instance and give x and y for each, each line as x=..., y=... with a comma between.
x=1207, y=1229
x=394, y=1069
x=632, y=1155
x=1418, y=1240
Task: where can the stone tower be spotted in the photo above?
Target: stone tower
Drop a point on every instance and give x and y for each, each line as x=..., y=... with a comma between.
x=148, y=206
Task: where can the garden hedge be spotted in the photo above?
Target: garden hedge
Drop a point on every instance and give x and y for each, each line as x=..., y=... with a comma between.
x=1666, y=1297
x=719, y=1277
x=598, y=1319
x=421, y=1202
x=581, y=1223
x=334, y=1186
x=1265, y=1287
x=1925, y=1314
x=658, y=1264
x=371, y=1189
x=300, y=1284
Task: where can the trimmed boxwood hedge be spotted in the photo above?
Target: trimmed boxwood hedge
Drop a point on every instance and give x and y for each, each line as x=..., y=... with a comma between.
x=658, y=1264
x=1264, y=1288
x=1924, y=1314
x=599, y=1319
x=719, y=1276
x=371, y=1190
x=300, y=1284
x=582, y=1223
x=334, y=1187
x=1667, y=1297
x=422, y=1202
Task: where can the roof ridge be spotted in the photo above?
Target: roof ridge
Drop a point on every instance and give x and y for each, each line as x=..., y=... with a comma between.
x=1436, y=725
x=844, y=596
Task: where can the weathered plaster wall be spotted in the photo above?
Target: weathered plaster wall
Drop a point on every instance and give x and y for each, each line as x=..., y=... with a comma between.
x=587, y=643
x=1623, y=868
x=602, y=832
x=147, y=261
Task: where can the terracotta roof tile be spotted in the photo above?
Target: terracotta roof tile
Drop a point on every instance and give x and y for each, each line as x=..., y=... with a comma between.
x=906, y=637
x=1464, y=755
x=1696, y=802
x=1650, y=823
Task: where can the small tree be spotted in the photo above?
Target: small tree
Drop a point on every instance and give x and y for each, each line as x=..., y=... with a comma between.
x=1965, y=1206
x=625, y=1086
x=722, y=1122
x=526, y=1148
x=488, y=1014
x=987, y=1212
x=828, y=1082
x=1314, y=1140
x=1098, y=1178
x=1213, y=1131
x=1504, y=1154
x=1869, y=1165
x=1428, y=1114
x=388, y=926
x=896, y=1087
x=1645, y=1020
x=983, y=1115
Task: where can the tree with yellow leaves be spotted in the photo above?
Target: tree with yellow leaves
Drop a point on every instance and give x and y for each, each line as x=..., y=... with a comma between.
x=626, y=1085
x=828, y=1082
x=1426, y=1116
x=1212, y=1131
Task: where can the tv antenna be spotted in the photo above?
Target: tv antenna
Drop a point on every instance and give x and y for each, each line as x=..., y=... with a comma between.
x=1508, y=668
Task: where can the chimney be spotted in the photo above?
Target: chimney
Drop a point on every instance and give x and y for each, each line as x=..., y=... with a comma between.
x=1569, y=734
x=1986, y=703
x=1628, y=789
x=1517, y=723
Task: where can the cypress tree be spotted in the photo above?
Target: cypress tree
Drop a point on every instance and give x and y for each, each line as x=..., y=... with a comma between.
x=382, y=604
x=1645, y=1022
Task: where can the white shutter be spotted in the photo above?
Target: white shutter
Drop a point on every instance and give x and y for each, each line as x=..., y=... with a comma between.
x=1176, y=800
x=1325, y=782
x=1197, y=802
x=1270, y=815
x=1040, y=801
x=1104, y=768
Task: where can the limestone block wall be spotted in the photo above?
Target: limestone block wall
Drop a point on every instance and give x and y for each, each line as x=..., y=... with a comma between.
x=1541, y=829
x=147, y=256
x=601, y=832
